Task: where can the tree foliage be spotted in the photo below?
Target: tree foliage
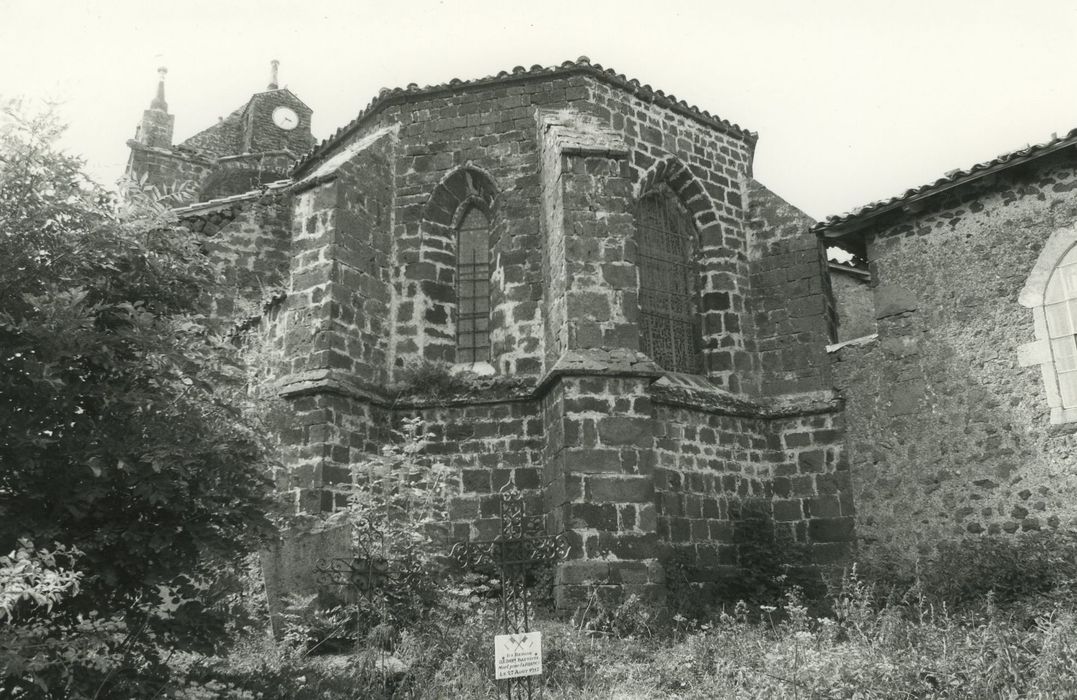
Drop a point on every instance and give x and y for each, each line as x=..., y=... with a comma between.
x=123, y=435
x=395, y=510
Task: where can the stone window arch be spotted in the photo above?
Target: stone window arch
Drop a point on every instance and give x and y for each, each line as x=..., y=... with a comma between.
x=1051, y=293
x=453, y=272
x=670, y=327
x=714, y=296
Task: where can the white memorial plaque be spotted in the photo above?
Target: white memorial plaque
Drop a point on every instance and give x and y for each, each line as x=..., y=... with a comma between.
x=517, y=655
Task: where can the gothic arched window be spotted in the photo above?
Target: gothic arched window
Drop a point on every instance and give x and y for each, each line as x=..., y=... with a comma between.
x=669, y=326
x=473, y=287
x=1060, y=309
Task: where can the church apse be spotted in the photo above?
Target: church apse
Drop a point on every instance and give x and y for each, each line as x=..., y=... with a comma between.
x=589, y=250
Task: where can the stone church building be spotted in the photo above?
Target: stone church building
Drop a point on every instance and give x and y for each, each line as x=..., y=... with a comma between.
x=668, y=365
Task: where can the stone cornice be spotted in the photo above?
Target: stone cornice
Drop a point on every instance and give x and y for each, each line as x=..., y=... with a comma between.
x=172, y=153
x=694, y=393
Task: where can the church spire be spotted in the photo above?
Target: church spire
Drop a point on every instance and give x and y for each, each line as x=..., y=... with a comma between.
x=159, y=100
x=273, y=65
x=156, y=126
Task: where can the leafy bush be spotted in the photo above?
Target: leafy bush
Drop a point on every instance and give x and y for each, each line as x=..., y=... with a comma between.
x=1016, y=571
x=1027, y=566
x=395, y=510
x=38, y=576
x=123, y=430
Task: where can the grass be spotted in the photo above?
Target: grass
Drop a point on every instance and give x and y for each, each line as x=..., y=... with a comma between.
x=864, y=648
x=981, y=619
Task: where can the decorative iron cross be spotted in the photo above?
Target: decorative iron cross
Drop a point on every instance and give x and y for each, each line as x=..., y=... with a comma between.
x=522, y=545
x=368, y=573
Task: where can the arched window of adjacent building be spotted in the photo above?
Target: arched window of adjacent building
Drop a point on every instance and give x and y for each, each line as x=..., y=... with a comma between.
x=473, y=287
x=669, y=325
x=1060, y=310
x=1050, y=292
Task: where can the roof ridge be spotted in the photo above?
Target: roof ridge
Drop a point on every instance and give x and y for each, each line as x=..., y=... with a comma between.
x=582, y=64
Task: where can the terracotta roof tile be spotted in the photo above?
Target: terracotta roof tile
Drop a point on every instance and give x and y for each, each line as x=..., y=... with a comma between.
x=582, y=65
x=842, y=223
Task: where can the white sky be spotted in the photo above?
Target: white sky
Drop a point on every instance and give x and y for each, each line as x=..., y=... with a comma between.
x=854, y=100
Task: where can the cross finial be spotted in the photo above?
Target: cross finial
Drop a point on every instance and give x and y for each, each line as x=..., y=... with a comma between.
x=159, y=100
x=273, y=65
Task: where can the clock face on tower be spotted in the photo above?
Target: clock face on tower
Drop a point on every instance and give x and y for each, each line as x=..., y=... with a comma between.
x=285, y=118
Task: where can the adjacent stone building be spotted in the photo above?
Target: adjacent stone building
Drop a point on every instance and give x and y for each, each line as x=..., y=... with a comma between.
x=651, y=321
x=961, y=397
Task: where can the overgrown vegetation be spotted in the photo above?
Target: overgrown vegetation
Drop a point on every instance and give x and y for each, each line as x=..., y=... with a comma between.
x=132, y=484
x=131, y=476
x=394, y=510
x=876, y=640
x=1024, y=573
x=439, y=381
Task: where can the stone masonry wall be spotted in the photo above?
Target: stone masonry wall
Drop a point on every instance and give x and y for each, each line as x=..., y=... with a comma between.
x=601, y=297
x=493, y=129
x=729, y=473
x=250, y=244
x=167, y=169
x=712, y=477
x=155, y=129
x=258, y=132
x=793, y=317
x=340, y=273
x=813, y=500
x=853, y=305
x=221, y=139
x=558, y=163
x=490, y=446
x=604, y=488
x=707, y=169
x=241, y=174
x=948, y=436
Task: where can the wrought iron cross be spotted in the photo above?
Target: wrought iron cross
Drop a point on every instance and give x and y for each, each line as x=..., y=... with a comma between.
x=522, y=545
x=368, y=573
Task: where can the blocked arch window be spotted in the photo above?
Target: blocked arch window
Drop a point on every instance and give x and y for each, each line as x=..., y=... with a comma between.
x=670, y=330
x=473, y=287
x=1050, y=292
x=1060, y=312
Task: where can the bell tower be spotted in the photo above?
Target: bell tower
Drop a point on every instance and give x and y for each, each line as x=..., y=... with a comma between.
x=155, y=129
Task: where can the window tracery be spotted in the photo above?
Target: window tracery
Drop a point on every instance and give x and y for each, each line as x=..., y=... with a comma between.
x=669, y=326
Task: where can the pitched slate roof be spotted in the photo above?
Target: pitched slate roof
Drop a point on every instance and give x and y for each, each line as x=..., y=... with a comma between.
x=846, y=224
x=582, y=65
